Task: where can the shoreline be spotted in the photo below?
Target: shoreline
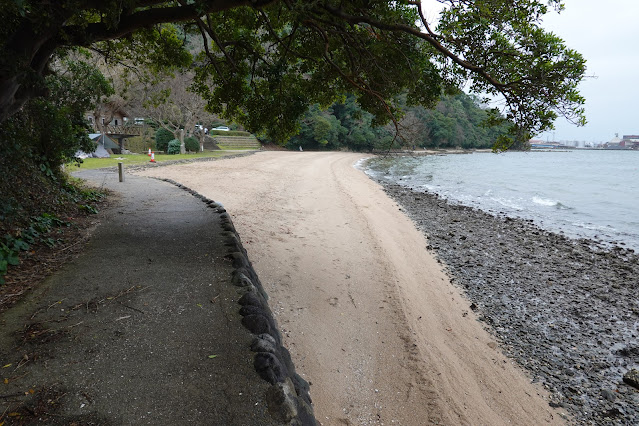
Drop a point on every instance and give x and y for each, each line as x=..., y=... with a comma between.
x=564, y=309
x=554, y=206
x=369, y=316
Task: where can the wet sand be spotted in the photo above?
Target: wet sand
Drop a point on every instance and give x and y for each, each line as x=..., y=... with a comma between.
x=370, y=317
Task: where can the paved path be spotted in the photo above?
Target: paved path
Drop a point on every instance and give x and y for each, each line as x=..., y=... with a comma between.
x=142, y=328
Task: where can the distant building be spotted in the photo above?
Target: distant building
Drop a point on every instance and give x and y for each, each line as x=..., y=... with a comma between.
x=614, y=143
x=539, y=144
x=628, y=142
x=107, y=114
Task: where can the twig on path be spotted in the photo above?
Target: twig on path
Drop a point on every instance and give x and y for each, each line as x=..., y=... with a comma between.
x=69, y=246
x=4, y=412
x=131, y=307
x=55, y=303
x=11, y=395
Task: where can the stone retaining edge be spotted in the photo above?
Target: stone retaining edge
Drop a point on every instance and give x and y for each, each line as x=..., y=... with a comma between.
x=288, y=397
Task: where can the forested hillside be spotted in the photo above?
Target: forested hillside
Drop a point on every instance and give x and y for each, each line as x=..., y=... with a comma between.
x=456, y=121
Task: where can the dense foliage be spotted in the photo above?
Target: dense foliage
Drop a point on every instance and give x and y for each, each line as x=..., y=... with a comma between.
x=174, y=147
x=192, y=144
x=262, y=63
x=342, y=125
x=47, y=133
x=456, y=121
x=51, y=129
x=162, y=139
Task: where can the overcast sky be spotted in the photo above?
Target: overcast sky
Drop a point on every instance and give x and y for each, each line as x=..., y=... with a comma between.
x=607, y=34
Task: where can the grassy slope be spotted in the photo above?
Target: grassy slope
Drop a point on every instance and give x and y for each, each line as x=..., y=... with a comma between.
x=132, y=159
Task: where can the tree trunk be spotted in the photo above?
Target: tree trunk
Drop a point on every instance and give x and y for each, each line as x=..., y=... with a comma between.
x=28, y=53
x=201, y=136
x=182, y=145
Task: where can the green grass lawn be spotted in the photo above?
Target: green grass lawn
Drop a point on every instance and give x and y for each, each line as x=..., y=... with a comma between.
x=132, y=159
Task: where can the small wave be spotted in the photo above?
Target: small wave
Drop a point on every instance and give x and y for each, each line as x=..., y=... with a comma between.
x=563, y=207
x=508, y=203
x=361, y=164
x=593, y=227
x=545, y=201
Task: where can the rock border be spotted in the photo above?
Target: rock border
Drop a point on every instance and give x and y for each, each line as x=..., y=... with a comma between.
x=288, y=399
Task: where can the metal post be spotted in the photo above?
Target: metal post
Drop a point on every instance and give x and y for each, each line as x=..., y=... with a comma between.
x=121, y=171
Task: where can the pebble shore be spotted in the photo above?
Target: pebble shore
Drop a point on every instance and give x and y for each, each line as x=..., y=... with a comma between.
x=565, y=309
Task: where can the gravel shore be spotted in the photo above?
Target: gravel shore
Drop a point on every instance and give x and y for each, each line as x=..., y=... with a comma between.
x=566, y=310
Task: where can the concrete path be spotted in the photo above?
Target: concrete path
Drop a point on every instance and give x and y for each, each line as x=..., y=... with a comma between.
x=142, y=328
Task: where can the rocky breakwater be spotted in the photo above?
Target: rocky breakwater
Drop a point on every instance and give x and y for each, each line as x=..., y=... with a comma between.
x=288, y=397
x=566, y=310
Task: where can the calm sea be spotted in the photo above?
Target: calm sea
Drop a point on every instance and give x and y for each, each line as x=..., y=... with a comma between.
x=592, y=194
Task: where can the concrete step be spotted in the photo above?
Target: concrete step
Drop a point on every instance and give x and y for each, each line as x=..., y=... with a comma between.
x=237, y=142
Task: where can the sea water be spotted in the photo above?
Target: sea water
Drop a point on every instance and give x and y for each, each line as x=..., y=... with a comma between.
x=582, y=193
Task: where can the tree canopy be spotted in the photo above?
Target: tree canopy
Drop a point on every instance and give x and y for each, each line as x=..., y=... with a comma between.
x=262, y=63
x=456, y=121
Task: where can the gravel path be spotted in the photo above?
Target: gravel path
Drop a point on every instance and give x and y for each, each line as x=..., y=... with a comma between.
x=566, y=310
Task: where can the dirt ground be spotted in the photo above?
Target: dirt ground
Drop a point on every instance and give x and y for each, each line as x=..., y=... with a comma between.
x=365, y=309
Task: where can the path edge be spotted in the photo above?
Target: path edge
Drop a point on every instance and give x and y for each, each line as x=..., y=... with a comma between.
x=288, y=398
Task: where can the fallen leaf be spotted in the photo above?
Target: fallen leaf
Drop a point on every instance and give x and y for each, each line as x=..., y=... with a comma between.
x=212, y=356
x=199, y=304
x=8, y=365
x=6, y=382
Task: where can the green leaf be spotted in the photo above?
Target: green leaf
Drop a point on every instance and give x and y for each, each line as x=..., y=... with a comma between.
x=13, y=259
x=212, y=356
x=20, y=245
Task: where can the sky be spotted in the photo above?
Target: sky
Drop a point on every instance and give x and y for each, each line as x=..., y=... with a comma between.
x=606, y=34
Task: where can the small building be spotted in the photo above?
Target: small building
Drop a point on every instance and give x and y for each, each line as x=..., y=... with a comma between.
x=105, y=146
x=107, y=114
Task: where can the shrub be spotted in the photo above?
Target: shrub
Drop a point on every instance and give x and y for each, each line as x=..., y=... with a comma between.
x=162, y=139
x=192, y=144
x=173, y=147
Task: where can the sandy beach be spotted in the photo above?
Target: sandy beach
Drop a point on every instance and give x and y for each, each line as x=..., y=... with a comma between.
x=370, y=317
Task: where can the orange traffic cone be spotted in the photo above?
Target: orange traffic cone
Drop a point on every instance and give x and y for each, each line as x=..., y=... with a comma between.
x=152, y=157
x=149, y=152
